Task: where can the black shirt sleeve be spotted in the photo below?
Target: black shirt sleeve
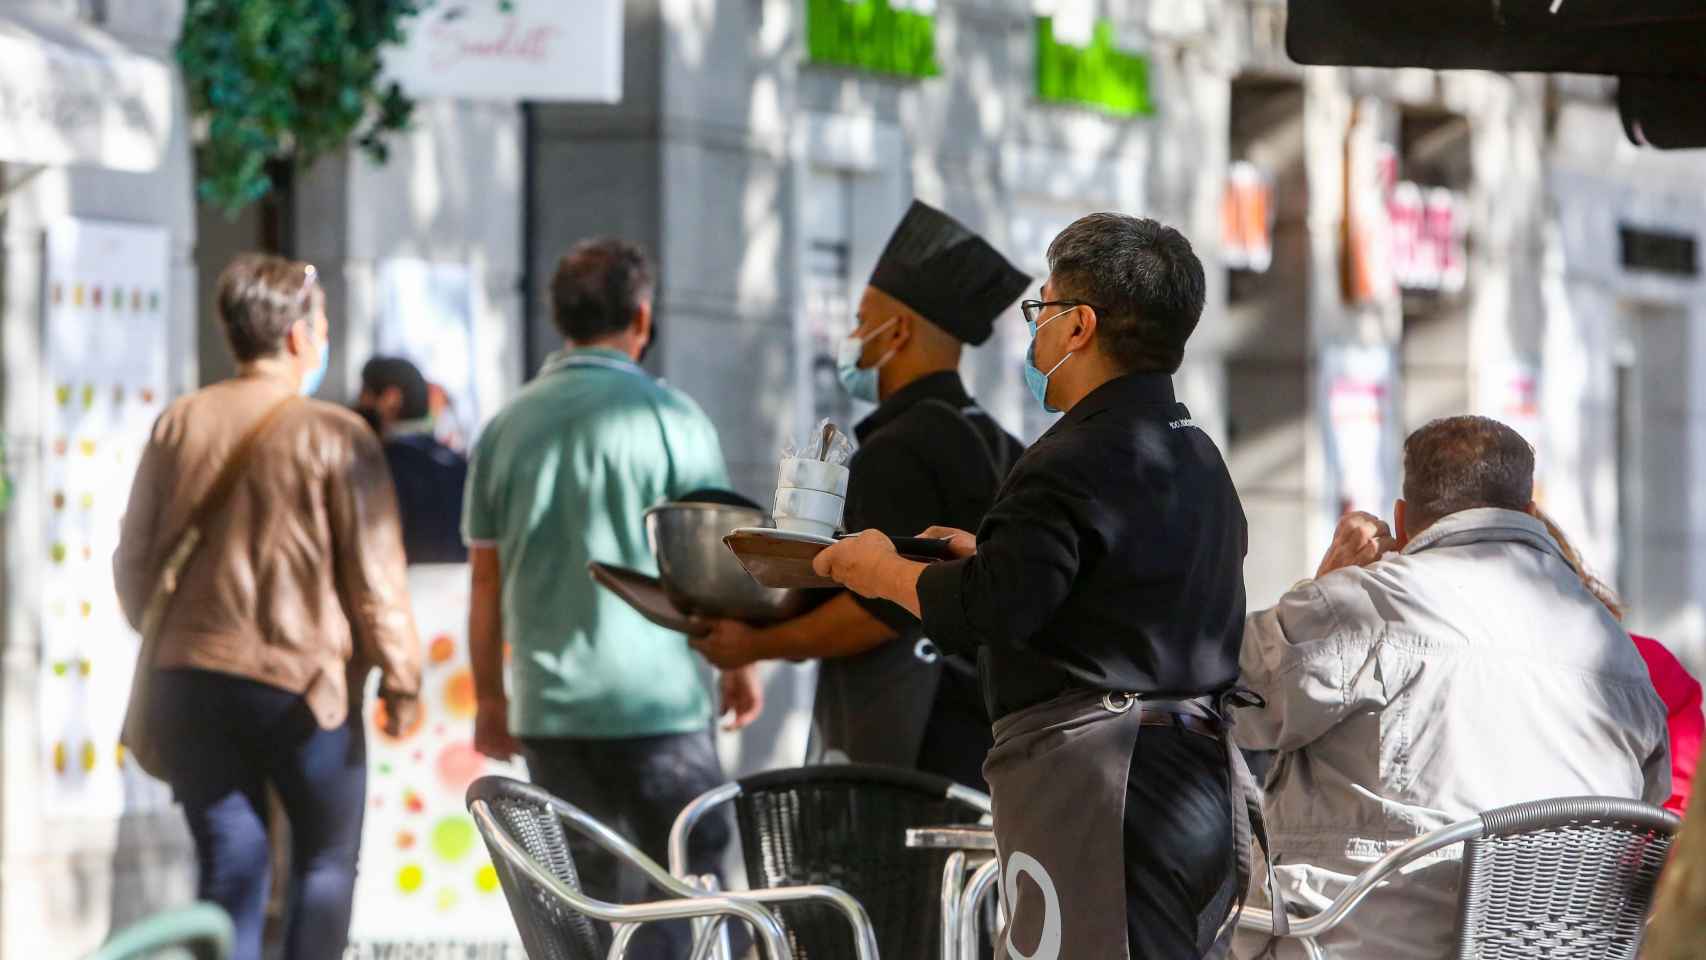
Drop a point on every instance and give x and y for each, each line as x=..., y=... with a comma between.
x=1030, y=548
x=891, y=489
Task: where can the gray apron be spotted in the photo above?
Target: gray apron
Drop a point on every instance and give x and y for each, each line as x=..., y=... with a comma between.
x=1058, y=777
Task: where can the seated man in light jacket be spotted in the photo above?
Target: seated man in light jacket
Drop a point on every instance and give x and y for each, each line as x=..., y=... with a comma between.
x=1467, y=670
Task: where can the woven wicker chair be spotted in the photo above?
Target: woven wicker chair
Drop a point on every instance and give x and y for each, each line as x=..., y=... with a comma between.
x=843, y=826
x=1568, y=877
x=523, y=827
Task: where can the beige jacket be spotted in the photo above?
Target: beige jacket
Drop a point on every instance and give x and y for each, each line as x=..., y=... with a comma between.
x=1469, y=672
x=299, y=582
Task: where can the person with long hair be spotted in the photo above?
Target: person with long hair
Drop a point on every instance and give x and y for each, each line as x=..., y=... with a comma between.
x=1677, y=687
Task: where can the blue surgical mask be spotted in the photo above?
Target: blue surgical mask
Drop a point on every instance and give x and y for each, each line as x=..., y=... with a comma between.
x=1035, y=379
x=317, y=376
x=860, y=382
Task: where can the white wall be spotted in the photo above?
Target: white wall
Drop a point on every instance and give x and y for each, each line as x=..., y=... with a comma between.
x=62, y=887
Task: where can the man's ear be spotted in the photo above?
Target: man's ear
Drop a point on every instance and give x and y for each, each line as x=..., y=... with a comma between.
x=898, y=336
x=1084, y=323
x=1400, y=531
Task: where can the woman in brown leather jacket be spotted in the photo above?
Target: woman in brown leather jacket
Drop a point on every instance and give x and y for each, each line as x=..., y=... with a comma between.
x=294, y=593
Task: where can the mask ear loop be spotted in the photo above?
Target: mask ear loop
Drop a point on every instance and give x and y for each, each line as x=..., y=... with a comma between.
x=1040, y=326
x=874, y=335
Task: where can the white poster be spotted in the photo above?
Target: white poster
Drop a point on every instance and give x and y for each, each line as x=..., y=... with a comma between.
x=106, y=369
x=533, y=50
x=426, y=315
x=426, y=880
x=1359, y=387
x=1509, y=391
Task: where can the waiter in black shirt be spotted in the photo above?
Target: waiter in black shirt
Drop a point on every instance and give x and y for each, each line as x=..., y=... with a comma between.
x=1103, y=596
x=884, y=694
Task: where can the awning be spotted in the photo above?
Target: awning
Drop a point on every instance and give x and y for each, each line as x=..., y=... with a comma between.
x=72, y=95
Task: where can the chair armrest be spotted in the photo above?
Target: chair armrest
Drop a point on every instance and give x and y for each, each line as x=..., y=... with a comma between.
x=864, y=936
x=1308, y=928
x=685, y=908
x=689, y=818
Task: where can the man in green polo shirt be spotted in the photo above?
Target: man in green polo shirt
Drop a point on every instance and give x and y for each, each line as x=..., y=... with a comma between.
x=607, y=708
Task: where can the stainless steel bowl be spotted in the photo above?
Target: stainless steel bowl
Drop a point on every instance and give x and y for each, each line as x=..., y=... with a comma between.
x=699, y=573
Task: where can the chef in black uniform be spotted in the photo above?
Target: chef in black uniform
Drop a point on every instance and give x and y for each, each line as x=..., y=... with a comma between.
x=1103, y=597
x=927, y=453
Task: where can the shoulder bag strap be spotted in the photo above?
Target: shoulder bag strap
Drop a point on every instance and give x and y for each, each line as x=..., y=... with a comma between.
x=183, y=547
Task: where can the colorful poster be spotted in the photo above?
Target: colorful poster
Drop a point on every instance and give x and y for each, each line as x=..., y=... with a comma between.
x=426, y=886
x=1359, y=385
x=426, y=315
x=105, y=313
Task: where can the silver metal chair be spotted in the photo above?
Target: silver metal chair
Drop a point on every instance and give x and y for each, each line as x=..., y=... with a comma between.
x=842, y=827
x=523, y=827
x=1570, y=877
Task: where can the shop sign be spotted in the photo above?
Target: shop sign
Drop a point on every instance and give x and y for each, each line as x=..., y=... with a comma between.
x=896, y=37
x=1247, y=218
x=62, y=104
x=521, y=50
x=1096, y=74
x=1429, y=238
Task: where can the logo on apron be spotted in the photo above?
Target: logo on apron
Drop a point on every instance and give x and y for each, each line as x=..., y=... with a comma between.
x=1048, y=943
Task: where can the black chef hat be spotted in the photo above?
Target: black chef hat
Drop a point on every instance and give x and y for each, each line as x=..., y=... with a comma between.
x=950, y=275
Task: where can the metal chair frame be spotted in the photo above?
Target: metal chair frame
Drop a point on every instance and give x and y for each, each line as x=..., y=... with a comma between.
x=204, y=930
x=864, y=935
x=1555, y=812
x=688, y=903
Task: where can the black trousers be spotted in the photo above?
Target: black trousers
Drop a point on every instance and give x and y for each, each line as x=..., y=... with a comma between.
x=636, y=786
x=1178, y=844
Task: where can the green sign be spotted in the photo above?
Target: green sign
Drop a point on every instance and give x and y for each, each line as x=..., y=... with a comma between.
x=1099, y=76
x=871, y=35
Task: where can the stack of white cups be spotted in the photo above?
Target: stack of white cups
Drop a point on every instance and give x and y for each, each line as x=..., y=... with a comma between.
x=810, y=495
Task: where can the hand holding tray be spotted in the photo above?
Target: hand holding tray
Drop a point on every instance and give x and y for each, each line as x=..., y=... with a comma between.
x=782, y=558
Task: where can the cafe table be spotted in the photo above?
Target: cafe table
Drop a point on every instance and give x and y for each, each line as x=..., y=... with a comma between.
x=970, y=848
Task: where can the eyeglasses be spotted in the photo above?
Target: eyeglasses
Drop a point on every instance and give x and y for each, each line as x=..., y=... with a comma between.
x=1031, y=308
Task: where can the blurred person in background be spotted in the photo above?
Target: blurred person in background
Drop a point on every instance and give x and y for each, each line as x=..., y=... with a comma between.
x=295, y=591
x=395, y=401
x=1422, y=678
x=1677, y=687
x=608, y=708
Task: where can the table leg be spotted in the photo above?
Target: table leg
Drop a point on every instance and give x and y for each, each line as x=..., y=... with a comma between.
x=953, y=883
x=970, y=903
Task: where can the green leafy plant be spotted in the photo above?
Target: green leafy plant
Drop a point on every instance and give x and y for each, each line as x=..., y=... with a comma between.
x=287, y=80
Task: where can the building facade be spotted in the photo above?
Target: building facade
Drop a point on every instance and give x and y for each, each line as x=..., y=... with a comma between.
x=1382, y=247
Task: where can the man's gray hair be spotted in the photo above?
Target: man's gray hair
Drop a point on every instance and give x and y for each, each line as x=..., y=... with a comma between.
x=1143, y=280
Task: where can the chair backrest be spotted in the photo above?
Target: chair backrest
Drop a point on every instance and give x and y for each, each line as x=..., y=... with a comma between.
x=845, y=825
x=1568, y=877
x=549, y=929
x=201, y=930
